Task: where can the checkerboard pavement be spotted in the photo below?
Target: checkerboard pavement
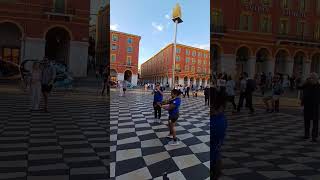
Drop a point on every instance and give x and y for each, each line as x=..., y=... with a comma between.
x=268, y=146
x=71, y=142
x=139, y=147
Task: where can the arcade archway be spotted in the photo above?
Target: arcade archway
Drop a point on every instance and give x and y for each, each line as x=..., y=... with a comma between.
x=262, y=58
x=128, y=76
x=299, y=59
x=58, y=45
x=315, y=63
x=10, y=42
x=113, y=75
x=242, y=58
x=216, y=59
x=185, y=80
x=281, y=61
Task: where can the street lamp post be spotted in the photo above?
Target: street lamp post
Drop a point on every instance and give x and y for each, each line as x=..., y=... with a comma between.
x=176, y=18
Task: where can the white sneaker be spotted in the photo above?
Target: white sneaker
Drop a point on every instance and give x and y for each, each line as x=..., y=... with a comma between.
x=174, y=143
x=170, y=136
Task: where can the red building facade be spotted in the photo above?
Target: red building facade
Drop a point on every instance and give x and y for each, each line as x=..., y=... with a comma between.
x=268, y=36
x=124, y=56
x=57, y=29
x=192, y=66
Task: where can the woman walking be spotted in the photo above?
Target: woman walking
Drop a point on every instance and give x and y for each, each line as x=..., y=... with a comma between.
x=230, y=90
x=35, y=86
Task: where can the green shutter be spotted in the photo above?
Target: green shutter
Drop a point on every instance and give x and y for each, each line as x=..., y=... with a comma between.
x=270, y=25
x=249, y=23
x=241, y=22
x=59, y=6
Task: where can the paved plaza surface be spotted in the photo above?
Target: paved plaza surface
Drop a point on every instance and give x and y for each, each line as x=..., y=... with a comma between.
x=68, y=143
x=269, y=146
x=139, y=146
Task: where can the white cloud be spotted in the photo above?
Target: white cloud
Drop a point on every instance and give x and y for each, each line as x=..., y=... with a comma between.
x=157, y=26
x=114, y=27
x=202, y=46
x=167, y=16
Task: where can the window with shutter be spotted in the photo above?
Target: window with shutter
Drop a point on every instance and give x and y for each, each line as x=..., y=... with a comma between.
x=317, y=32
x=269, y=25
x=302, y=5
x=284, y=4
x=241, y=22
x=59, y=6
x=318, y=7
x=249, y=25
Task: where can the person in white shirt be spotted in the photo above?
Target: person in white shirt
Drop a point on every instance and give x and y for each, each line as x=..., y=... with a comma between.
x=120, y=88
x=230, y=90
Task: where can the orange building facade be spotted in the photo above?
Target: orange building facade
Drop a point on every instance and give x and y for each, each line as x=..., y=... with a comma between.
x=124, y=56
x=192, y=66
x=57, y=29
x=271, y=36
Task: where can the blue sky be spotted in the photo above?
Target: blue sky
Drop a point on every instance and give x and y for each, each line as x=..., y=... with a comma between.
x=151, y=19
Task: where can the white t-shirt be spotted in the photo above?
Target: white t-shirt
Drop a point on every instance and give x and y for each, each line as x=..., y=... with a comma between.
x=230, y=85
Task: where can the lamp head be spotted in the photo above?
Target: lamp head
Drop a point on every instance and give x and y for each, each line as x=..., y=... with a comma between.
x=176, y=14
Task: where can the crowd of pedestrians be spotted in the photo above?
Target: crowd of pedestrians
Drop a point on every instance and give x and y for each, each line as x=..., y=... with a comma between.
x=272, y=87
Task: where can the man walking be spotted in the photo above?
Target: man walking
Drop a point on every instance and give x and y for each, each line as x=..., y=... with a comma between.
x=47, y=80
x=311, y=100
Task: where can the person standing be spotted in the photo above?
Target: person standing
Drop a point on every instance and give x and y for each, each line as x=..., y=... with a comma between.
x=243, y=85
x=157, y=100
x=105, y=81
x=250, y=88
x=277, y=90
x=230, y=90
x=218, y=131
x=47, y=79
x=124, y=85
x=263, y=83
x=120, y=86
x=173, y=108
x=310, y=101
x=206, y=96
x=188, y=90
x=35, y=87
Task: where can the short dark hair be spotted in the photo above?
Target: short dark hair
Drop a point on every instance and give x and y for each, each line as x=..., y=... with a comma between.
x=176, y=92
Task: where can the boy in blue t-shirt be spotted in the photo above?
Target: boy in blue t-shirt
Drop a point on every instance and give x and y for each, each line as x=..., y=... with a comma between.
x=173, y=108
x=157, y=100
x=218, y=130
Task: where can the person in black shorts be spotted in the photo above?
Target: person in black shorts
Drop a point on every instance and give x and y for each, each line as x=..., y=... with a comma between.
x=173, y=108
x=47, y=80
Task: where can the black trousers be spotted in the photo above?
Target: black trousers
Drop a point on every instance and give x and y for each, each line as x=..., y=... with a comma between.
x=231, y=99
x=248, y=97
x=157, y=110
x=187, y=92
x=206, y=100
x=311, y=112
x=241, y=99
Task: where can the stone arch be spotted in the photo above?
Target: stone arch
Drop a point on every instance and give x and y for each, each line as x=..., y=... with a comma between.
x=11, y=36
x=244, y=45
x=282, y=49
x=17, y=24
x=59, y=26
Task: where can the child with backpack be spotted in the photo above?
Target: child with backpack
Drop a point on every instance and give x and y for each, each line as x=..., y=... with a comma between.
x=173, y=108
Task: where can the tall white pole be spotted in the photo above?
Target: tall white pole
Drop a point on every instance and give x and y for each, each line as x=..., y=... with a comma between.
x=174, y=53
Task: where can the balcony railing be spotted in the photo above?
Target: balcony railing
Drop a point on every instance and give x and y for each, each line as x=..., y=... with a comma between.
x=298, y=38
x=218, y=29
x=68, y=12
